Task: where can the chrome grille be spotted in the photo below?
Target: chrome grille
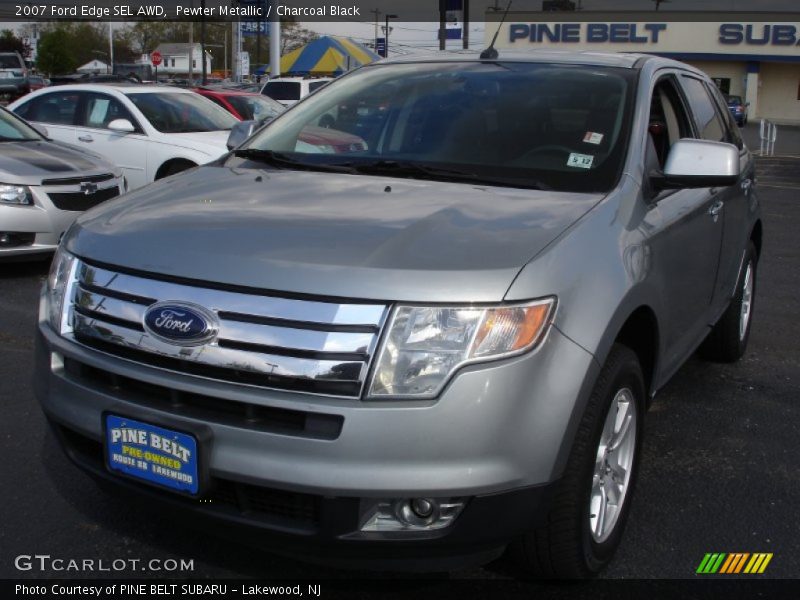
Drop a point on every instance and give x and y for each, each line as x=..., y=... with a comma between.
x=273, y=341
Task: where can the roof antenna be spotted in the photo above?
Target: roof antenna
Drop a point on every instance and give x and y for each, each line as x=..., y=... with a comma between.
x=490, y=53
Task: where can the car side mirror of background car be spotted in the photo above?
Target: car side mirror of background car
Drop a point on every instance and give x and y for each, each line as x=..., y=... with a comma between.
x=40, y=129
x=121, y=125
x=698, y=164
x=240, y=132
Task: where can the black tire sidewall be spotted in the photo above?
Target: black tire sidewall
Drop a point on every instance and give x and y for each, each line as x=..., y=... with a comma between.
x=749, y=259
x=626, y=373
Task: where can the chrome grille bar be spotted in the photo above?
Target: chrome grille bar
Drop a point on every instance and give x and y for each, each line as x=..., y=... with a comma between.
x=303, y=344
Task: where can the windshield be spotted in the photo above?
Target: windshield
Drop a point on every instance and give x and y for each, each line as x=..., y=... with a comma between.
x=182, y=113
x=10, y=61
x=734, y=99
x=560, y=127
x=15, y=130
x=282, y=90
x=256, y=108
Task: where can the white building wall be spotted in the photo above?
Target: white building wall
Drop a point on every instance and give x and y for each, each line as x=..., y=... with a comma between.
x=779, y=91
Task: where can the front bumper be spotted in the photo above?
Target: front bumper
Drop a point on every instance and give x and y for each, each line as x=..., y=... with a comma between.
x=498, y=437
x=43, y=220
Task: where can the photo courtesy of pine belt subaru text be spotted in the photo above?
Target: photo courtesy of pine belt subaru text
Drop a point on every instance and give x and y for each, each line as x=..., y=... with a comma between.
x=425, y=338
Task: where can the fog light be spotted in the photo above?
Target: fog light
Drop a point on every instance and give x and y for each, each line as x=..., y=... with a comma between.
x=412, y=514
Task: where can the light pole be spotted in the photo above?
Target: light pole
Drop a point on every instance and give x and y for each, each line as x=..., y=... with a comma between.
x=387, y=34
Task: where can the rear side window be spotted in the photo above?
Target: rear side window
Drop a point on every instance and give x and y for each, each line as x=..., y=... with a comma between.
x=58, y=108
x=283, y=90
x=315, y=85
x=732, y=130
x=706, y=117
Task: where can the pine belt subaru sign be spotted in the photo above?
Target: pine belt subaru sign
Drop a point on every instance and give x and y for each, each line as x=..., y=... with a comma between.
x=757, y=39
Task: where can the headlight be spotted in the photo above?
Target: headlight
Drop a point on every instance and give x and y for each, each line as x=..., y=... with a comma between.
x=426, y=345
x=59, y=282
x=15, y=194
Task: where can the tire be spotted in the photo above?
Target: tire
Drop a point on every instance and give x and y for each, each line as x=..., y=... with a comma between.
x=568, y=546
x=728, y=339
x=176, y=166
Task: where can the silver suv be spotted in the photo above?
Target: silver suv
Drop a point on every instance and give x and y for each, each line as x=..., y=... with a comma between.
x=428, y=346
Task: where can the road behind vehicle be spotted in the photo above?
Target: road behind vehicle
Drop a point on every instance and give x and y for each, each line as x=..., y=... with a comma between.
x=290, y=90
x=426, y=348
x=44, y=186
x=14, y=80
x=148, y=131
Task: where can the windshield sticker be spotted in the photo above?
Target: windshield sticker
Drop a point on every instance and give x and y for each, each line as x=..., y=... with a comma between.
x=592, y=137
x=582, y=161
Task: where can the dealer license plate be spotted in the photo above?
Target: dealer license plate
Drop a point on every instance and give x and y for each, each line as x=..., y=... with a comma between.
x=160, y=456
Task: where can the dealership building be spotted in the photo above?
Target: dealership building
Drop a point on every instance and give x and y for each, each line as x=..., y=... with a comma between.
x=757, y=60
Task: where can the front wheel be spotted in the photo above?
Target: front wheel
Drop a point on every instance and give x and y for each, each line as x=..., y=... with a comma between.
x=592, y=502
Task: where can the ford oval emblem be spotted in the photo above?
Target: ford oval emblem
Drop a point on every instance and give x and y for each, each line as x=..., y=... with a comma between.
x=181, y=323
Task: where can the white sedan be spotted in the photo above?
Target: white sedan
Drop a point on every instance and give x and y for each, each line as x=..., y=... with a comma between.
x=148, y=131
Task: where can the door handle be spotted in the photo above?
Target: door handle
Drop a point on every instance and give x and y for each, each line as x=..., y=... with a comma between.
x=85, y=138
x=716, y=208
x=746, y=185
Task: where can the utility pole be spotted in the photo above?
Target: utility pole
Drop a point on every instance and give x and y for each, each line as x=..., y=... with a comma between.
x=203, y=43
x=465, y=25
x=377, y=14
x=111, y=47
x=274, y=41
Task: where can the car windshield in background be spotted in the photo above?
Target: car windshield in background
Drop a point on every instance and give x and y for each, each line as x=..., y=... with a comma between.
x=560, y=127
x=283, y=90
x=734, y=99
x=10, y=62
x=255, y=107
x=181, y=113
x=14, y=130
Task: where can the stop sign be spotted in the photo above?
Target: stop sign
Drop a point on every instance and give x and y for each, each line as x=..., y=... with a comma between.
x=155, y=58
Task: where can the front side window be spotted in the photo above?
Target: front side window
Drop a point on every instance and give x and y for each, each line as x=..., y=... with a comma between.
x=708, y=121
x=101, y=109
x=561, y=127
x=181, y=113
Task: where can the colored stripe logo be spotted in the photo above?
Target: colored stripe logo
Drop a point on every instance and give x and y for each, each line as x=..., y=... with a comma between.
x=734, y=563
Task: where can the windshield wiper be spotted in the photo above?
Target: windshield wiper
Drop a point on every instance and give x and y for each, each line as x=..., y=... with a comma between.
x=282, y=161
x=423, y=171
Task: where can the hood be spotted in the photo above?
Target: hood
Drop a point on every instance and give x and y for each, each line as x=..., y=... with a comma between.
x=348, y=236
x=210, y=142
x=31, y=162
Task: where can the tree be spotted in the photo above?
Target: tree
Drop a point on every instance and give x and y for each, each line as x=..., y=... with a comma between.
x=56, y=55
x=11, y=43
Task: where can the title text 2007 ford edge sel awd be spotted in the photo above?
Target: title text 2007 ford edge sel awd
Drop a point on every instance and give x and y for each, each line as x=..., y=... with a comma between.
x=429, y=344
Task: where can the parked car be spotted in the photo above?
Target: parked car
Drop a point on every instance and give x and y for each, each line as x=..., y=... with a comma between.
x=244, y=106
x=13, y=75
x=290, y=90
x=37, y=82
x=427, y=351
x=150, y=132
x=44, y=186
x=738, y=108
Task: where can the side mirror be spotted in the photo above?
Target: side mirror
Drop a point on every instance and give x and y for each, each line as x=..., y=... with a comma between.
x=240, y=132
x=40, y=129
x=121, y=125
x=699, y=164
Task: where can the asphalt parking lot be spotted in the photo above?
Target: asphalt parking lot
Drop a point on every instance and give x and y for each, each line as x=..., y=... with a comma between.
x=719, y=473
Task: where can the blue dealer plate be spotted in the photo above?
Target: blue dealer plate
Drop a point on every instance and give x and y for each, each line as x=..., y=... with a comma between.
x=161, y=456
